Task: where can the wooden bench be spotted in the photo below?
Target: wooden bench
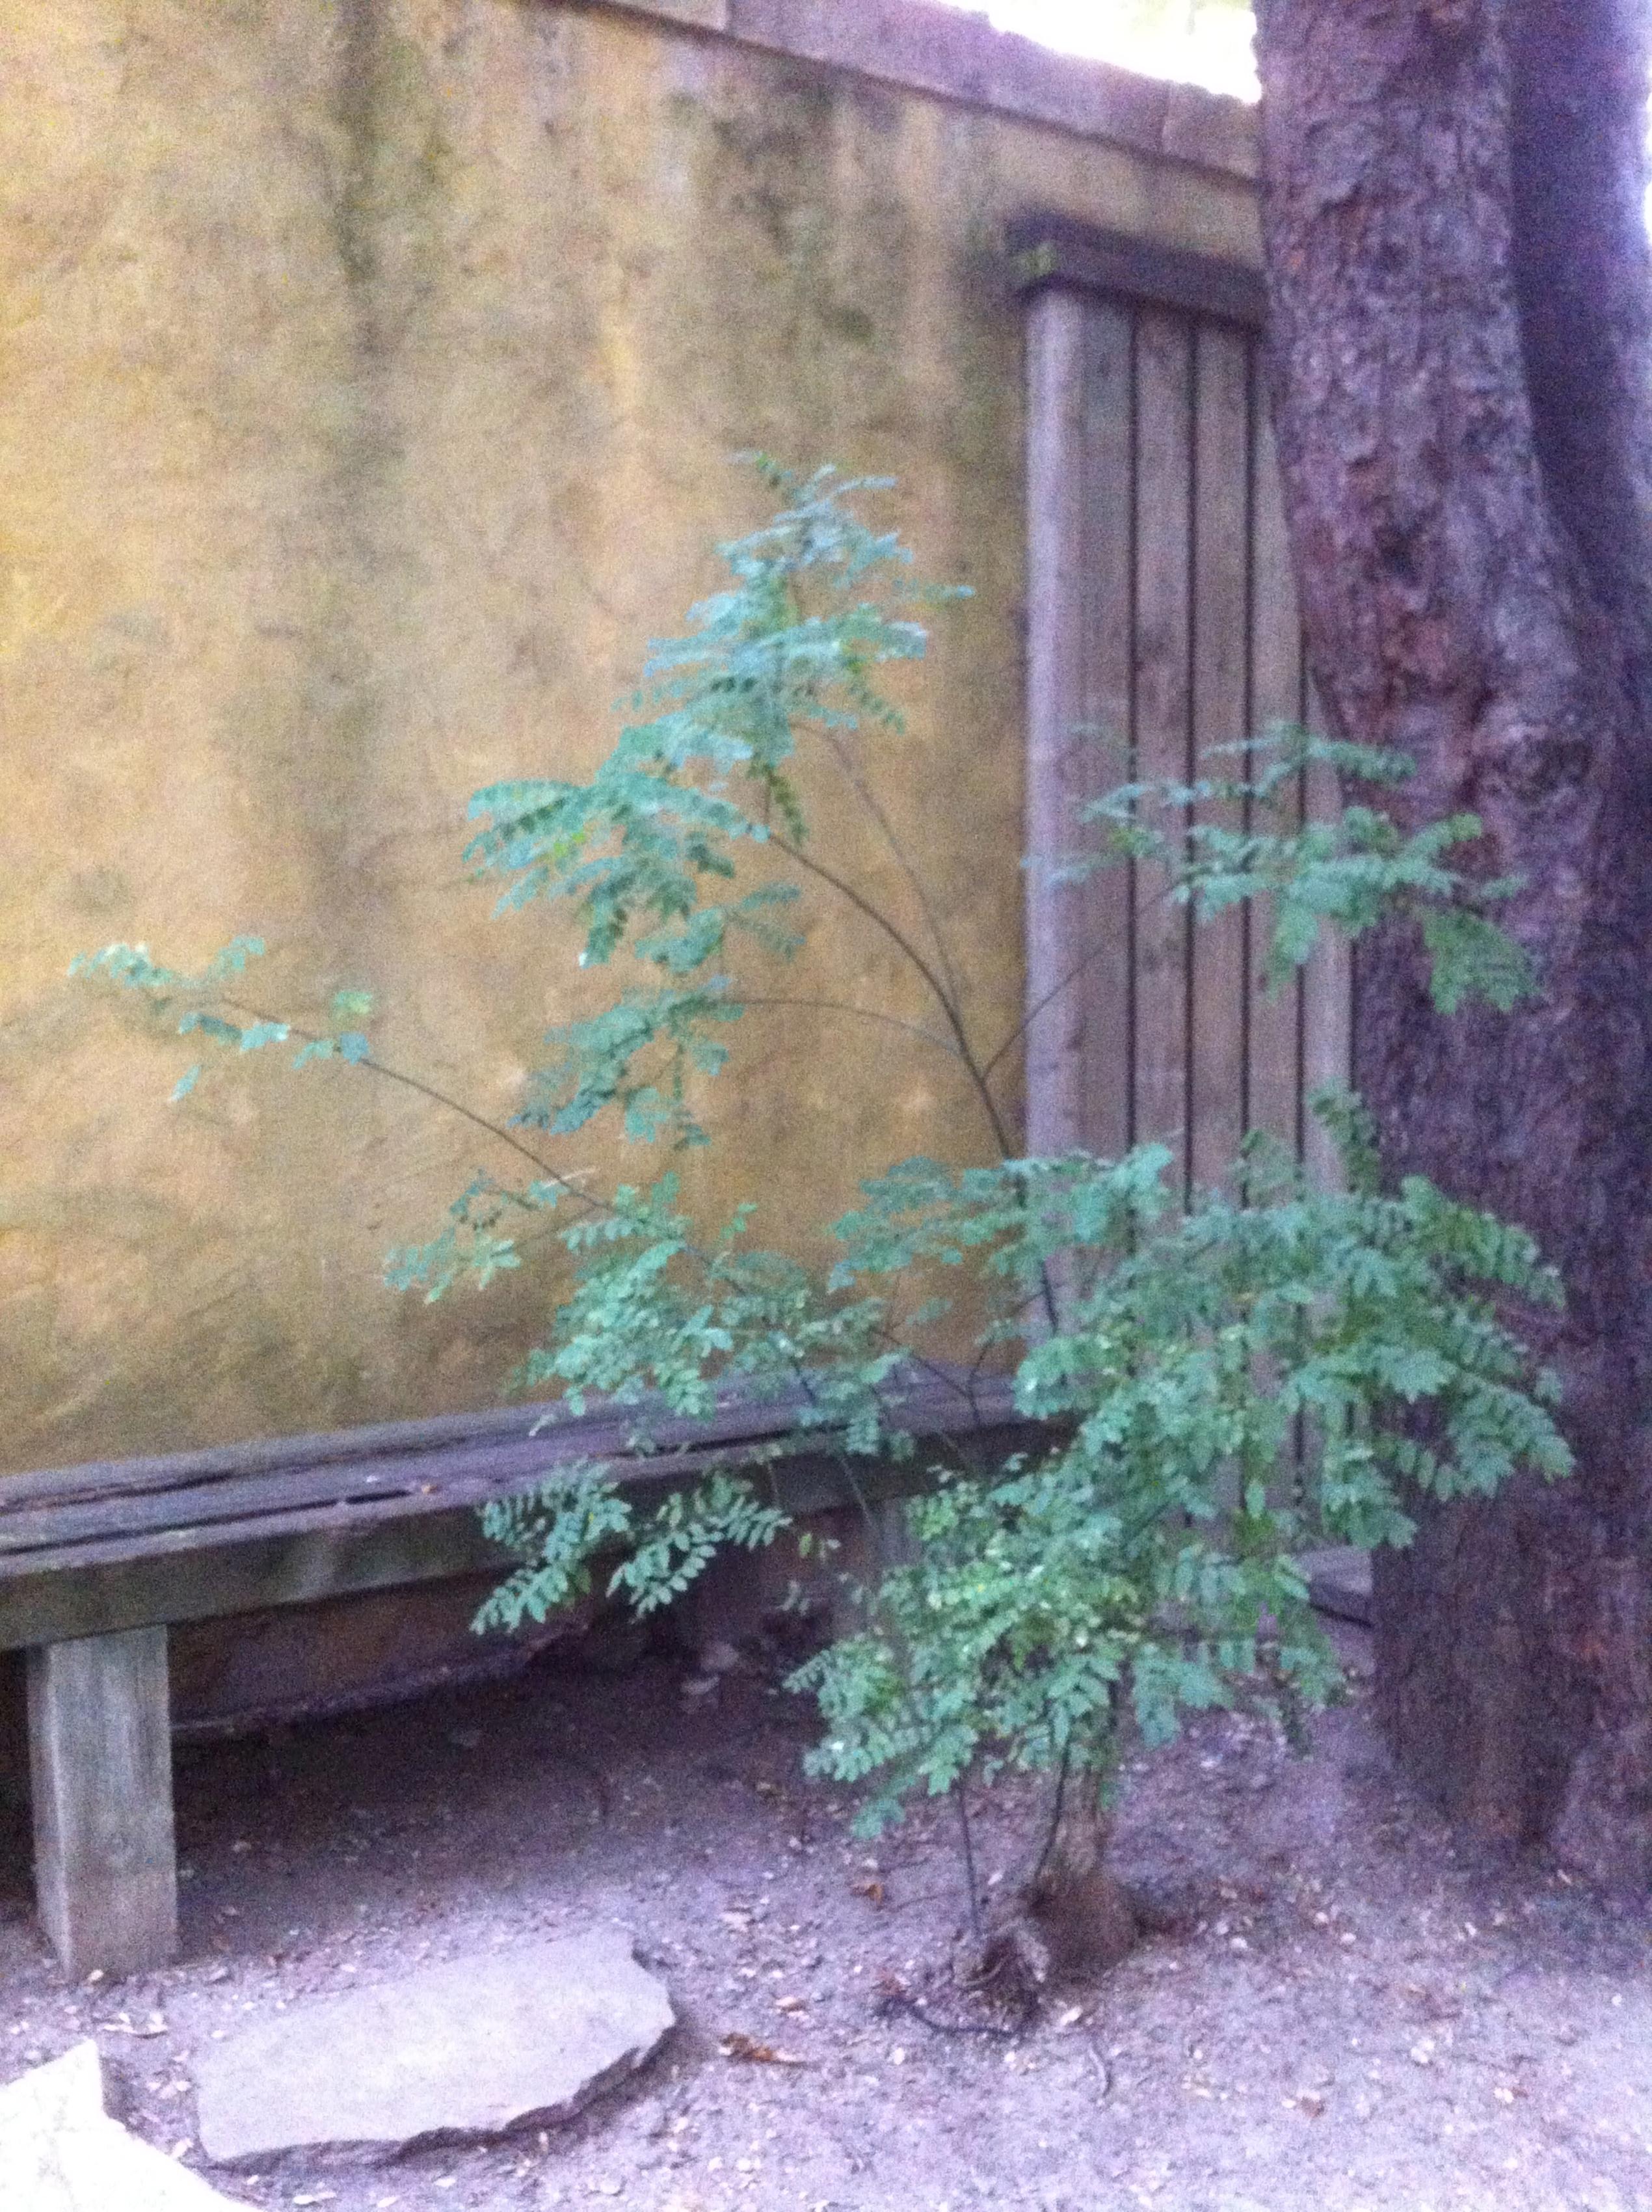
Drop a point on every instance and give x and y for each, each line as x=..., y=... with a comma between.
x=96, y=1561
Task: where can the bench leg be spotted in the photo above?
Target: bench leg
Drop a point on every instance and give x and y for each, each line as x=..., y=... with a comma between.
x=99, y=1731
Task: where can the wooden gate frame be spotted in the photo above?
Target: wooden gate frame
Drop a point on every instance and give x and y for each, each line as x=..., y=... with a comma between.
x=1080, y=558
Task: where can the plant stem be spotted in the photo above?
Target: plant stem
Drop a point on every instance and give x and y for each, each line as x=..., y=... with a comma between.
x=960, y=1798
x=856, y=780
x=596, y=1204
x=865, y=1013
x=1058, y=1806
x=1093, y=952
x=377, y=1067
x=874, y=914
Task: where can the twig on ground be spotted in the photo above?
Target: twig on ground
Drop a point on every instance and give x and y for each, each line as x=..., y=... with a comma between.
x=894, y=1995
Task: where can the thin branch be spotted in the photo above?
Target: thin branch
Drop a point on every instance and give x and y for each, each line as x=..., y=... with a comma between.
x=1057, y=1807
x=874, y=914
x=1050, y=998
x=596, y=1204
x=874, y=1534
x=856, y=781
x=969, y=1843
x=1095, y=952
x=495, y=1129
x=865, y=1013
x=964, y=1389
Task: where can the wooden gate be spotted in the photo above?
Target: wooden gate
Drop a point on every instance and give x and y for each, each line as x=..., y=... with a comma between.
x=1162, y=620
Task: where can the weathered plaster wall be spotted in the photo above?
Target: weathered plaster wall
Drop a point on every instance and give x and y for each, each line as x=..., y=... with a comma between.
x=368, y=372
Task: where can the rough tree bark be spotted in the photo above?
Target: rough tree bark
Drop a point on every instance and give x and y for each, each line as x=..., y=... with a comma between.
x=1461, y=358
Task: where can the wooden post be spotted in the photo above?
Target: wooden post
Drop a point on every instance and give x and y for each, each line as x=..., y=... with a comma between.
x=1079, y=529
x=1166, y=633
x=100, y=1761
x=1219, y=654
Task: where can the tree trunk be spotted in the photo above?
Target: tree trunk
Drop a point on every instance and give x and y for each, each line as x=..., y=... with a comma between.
x=1461, y=359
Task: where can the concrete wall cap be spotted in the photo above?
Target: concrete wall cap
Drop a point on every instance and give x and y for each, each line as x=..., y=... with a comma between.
x=951, y=54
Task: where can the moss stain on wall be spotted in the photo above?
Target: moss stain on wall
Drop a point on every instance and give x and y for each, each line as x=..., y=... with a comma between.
x=369, y=371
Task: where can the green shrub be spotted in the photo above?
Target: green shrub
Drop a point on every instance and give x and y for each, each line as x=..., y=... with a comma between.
x=1218, y=1383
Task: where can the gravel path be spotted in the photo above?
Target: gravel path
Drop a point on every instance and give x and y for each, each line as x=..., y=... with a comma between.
x=1346, y=2015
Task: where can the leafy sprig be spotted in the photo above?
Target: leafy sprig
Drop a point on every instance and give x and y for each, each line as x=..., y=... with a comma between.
x=1227, y=838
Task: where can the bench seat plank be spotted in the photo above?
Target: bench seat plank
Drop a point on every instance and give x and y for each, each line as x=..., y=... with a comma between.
x=96, y=1561
x=347, y=1453
x=192, y=1490
x=249, y=1542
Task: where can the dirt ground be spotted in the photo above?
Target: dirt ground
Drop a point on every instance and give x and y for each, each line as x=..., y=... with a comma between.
x=1349, y=2017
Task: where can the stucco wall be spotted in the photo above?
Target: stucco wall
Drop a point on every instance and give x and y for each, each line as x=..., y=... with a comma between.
x=369, y=373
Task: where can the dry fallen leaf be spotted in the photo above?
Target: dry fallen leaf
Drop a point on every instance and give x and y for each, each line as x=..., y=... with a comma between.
x=874, y=1890
x=747, y=2047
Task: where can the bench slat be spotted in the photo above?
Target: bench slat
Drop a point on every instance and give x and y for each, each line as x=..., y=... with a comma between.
x=105, y=1524
x=271, y=1457
x=322, y=1553
x=121, y=1477
x=506, y=1463
x=468, y=1486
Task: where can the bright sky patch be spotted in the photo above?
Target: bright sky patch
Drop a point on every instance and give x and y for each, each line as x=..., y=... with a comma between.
x=1198, y=45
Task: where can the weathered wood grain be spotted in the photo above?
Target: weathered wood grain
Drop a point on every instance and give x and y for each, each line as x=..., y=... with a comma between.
x=292, y=1539
x=100, y=1767
x=1079, y=550
x=1051, y=248
x=1276, y=1085
x=1163, y=605
x=1058, y=1019
x=1106, y=984
x=1163, y=640
x=1218, y=1033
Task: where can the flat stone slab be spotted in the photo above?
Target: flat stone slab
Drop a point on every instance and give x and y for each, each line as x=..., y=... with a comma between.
x=470, y=2049
x=60, y=2151
x=1339, y=1581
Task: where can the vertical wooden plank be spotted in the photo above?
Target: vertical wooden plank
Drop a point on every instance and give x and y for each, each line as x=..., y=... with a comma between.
x=1276, y=1082
x=1164, y=709
x=100, y=1767
x=1328, y=990
x=1276, y=691
x=1078, y=594
x=1107, y=752
x=1055, y=423
x=1218, y=1008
